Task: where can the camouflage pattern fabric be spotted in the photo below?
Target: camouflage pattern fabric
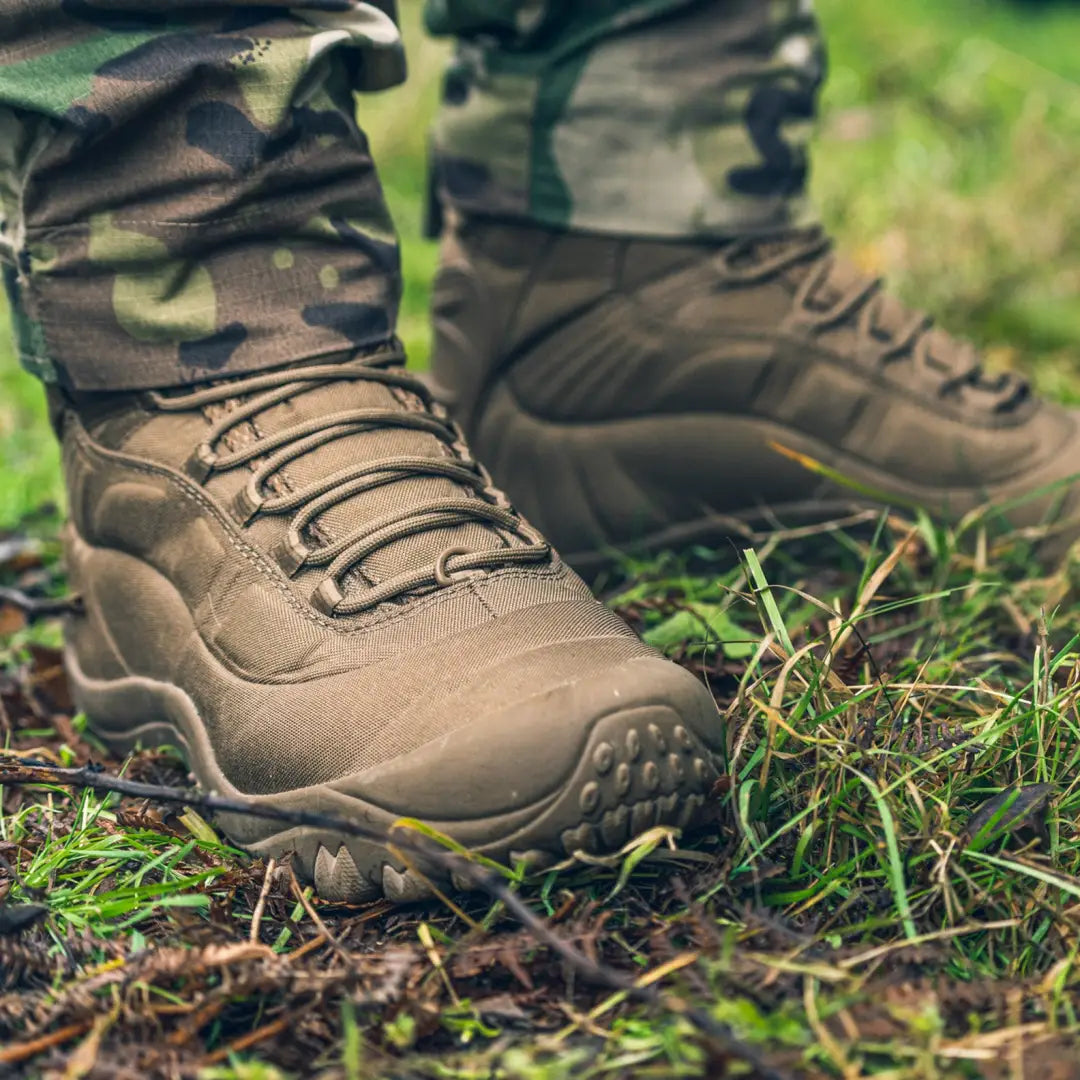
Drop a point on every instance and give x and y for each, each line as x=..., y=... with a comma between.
x=184, y=189
x=673, y=118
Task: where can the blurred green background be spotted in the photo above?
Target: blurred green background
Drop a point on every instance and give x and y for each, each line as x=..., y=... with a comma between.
x=948, y=158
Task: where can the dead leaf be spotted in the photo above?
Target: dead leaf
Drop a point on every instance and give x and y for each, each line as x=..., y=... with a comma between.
x=84, y=1057
x=1008, y=811
x=501, y=1007
x=49, y=679
x=12, y=620
x=19, y=553
x=15, y=918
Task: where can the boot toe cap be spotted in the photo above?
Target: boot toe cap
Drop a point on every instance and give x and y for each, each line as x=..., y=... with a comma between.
x=578, y=764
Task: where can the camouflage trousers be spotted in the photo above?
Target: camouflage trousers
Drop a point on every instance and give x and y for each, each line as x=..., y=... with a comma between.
x=186, y=191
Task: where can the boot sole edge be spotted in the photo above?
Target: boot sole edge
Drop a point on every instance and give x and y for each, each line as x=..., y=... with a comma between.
x=640, y=767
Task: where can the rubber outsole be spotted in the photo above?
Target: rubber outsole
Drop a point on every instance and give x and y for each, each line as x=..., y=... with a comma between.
x=639, y=766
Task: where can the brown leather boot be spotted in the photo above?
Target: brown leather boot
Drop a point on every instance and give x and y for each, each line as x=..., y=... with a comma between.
x=303, y=579
x=635, y=394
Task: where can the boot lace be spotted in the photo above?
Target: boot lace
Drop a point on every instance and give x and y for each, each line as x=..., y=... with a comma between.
x=272, y=452
x=825, y=300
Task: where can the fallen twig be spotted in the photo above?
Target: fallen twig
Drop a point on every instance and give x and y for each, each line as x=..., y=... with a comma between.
x=260, y=904
x=245, y=1042
x=43, y=608
x=313, y=915
x=19, y=1052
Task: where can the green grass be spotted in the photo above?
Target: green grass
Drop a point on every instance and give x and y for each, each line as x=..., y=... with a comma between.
x=892, y=885
x=29, y=455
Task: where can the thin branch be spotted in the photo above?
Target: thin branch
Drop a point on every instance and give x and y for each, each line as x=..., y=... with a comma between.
x=19, y=1052
x=260, y=905
x=313, y=915
x=44, y=608
x=20, y=771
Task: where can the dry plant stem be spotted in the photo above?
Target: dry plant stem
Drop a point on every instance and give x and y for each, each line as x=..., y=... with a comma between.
x=13, y=1055
x=260, y=906
x=16, y=770
x=34, y=608
x=245, y=1042
x=313, y=915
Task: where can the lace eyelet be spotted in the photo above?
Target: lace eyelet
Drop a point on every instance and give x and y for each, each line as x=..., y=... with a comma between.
x=248, y=502
x=327, y=597
x=291, y=553
x=443, y=576
x=202, y=463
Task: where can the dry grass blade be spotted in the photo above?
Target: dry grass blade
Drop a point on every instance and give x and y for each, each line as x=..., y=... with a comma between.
x=871, y=589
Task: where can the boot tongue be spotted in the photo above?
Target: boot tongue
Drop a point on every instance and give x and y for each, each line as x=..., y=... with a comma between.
x=843, y=279
x=354, y=512
x=891, y=317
